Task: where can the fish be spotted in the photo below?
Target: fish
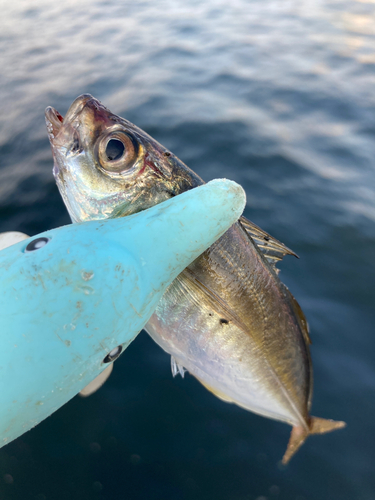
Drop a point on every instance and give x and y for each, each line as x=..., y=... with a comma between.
x=227, y=319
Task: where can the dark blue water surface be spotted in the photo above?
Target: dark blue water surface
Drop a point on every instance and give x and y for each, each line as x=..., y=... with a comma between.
x=278, y=96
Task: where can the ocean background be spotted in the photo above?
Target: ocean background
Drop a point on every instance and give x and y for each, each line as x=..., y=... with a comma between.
x=278, y=95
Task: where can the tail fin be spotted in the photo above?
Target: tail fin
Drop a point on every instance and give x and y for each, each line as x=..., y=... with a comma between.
x=299, y=434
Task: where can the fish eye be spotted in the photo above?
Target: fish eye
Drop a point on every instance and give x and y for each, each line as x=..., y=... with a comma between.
x=36, y=244
x=114, y=150
x=114, y=354
x=117, y=152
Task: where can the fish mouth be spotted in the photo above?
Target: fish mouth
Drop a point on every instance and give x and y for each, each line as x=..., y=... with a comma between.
x=55, y=121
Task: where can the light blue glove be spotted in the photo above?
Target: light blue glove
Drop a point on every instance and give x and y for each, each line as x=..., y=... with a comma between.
x=72, y=299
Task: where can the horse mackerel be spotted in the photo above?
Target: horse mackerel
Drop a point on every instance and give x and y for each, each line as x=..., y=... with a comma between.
x=227, y=318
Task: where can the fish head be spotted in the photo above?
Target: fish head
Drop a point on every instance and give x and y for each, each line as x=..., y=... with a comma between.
x=107, y=167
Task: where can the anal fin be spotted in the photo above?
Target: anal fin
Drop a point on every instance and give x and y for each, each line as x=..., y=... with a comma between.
x=177, y=368
x=215, y=392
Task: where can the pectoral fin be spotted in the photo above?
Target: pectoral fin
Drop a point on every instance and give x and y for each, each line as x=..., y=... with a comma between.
x=97, y=382
x=299, y=434
x=272, y=249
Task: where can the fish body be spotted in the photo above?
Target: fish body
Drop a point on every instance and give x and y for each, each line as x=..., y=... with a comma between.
x=236, y=297
x=227, y=318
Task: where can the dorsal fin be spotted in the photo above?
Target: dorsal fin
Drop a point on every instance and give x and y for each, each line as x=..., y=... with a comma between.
x=301, y=318
x=272, y=249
